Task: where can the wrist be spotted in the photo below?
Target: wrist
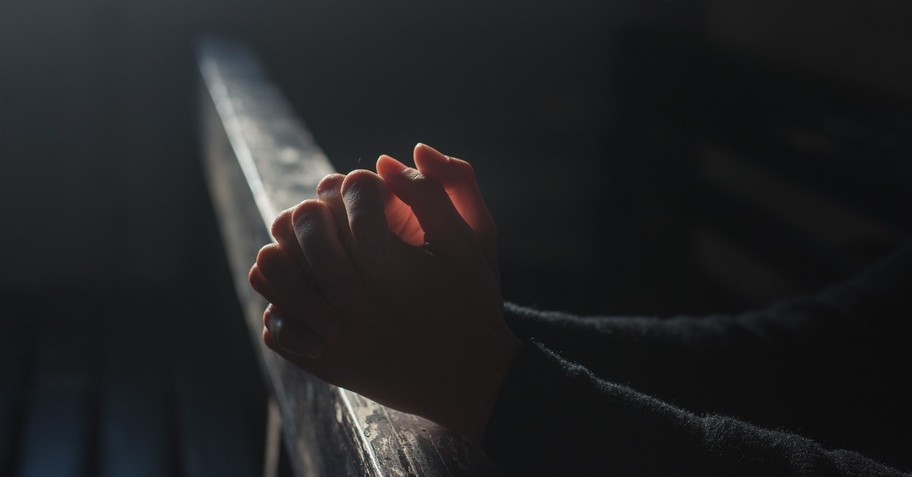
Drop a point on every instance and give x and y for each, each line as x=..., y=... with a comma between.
x=471, y=408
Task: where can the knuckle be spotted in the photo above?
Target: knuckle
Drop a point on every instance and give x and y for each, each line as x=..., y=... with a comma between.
x=281, y=226
x=253, y=274
x=264, y=252
x=361, y=181
x=364, y=197
x=304, y=215
x=330, y=183
x=268, y=256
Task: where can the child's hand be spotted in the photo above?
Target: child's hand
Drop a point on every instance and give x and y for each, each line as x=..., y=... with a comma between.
x=412, y=319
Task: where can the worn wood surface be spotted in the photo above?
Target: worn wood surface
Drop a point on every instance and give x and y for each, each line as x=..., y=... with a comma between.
x=260, y=160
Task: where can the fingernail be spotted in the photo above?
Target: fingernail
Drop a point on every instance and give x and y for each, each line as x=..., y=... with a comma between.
x=274, y=325
x=305, y=346
x=391, y=165
x=434, y=155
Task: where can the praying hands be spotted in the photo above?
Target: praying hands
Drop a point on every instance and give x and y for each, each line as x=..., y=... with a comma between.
x=387, y=285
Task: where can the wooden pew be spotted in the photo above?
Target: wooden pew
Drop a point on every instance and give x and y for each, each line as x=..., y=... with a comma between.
x=260, y=159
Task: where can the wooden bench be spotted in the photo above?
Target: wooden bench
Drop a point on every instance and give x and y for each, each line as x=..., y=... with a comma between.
x=260, y=160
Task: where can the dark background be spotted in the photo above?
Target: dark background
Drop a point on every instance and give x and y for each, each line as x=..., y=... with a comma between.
x=639, y=156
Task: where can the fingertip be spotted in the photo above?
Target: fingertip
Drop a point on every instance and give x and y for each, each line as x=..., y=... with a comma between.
x=281, y=225
x=272, y=263
x=388, y=167
x=365, y=195
x=267, y=338
x=261, y=285
x=330, y=183
x=266, y=313
x=258, y=282
x=424, y=154
x=293, y=340
x=306, y=211
x=254, y=276
x=267, y=252
x=360, y=176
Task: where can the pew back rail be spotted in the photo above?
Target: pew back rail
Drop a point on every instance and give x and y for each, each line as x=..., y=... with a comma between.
x=259, y=160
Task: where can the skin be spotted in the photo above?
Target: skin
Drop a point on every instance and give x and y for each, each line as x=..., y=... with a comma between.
x=387, y=285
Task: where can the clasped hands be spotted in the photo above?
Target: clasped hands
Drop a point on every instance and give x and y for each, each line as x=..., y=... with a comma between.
x=387, y=284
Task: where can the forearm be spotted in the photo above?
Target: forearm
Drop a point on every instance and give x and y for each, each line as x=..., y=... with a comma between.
x=554, y=417
x=794, y=364
x=733, y=364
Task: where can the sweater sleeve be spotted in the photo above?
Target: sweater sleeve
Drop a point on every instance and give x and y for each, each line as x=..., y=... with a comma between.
x=554, y=417
x=795, y=365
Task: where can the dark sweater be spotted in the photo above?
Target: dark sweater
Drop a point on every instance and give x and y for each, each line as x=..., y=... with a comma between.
x=775, y=392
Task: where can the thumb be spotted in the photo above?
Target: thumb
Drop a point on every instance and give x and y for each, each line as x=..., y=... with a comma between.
x=458, y=179
x=427, y=198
